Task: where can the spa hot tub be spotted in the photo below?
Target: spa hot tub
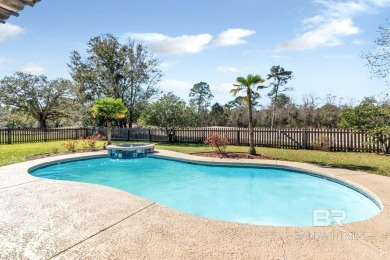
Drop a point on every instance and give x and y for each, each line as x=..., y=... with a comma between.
x=129, y=151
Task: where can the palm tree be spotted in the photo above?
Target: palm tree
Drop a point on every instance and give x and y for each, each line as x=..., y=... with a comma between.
x=249, y=84
x=109, y=109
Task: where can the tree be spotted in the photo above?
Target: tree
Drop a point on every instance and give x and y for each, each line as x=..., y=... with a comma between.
x=308, y=111
x=328, y=113
x=111, y=69
x=378, y=59
x=17, y=119
x=372, y=119
x=169, y=113
x=3, y=116
x=200, y=97
x=280, y=78
x=283, y=114
x=217, y=115
x=248, y=85
x=109, y=109
x=37, y=96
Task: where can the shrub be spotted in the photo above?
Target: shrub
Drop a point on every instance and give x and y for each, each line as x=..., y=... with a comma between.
x=89, y=143
x=323, y=143
x=217, y=142
x=71, y=145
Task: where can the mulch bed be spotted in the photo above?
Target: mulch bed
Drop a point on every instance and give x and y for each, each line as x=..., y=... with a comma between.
x=44, y=155
x=235, y=155
x=206, y=154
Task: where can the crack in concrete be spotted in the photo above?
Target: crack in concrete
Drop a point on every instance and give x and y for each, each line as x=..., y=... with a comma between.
x=284, y=250
x=102, y=230
x=20, y=184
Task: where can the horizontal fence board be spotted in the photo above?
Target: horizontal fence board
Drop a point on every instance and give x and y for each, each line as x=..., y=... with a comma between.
x=344, y=140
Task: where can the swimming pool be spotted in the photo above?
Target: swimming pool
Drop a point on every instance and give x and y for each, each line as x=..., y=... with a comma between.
x=255, y=195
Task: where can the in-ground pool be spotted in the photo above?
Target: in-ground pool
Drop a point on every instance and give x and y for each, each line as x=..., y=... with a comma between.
x=255, y=195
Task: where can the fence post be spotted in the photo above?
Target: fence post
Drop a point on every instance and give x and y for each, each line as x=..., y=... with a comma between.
x=238, y=137
x=350, y=140
x=9, y=136
x=128, y=134
x=150, y=135
x=45, y=134
x=304, y=139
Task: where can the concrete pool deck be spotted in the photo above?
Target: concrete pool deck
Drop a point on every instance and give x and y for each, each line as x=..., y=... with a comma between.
x=43, y=219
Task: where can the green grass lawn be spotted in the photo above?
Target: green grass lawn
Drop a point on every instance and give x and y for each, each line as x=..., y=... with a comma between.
x=372, y=163
x=369, y=162
x=13, y=153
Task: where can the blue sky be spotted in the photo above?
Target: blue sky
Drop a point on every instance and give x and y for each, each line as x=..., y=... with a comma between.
x=212, y=41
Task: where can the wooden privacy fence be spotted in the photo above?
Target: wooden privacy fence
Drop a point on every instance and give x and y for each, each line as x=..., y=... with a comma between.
x=35, y=135
x=326, y=139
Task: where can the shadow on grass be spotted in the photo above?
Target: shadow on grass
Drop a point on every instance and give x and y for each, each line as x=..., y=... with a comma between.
x=353, y=167
x=181, y=144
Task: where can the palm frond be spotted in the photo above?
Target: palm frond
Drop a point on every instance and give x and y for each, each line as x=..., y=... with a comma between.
x=261, y=87
x=235, y=91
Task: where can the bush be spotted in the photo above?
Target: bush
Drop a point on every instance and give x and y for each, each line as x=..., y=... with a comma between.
x=217, y=142
x=71, y=145
x=89, y=143
x=323, y=143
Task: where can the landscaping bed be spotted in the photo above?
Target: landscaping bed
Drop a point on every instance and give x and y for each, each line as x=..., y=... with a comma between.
x=234, y=155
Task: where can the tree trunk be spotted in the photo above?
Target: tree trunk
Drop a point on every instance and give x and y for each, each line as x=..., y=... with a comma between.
x=170, y=134
x=42, y=123
x=131, y=118
x=122, y=123
x=274, y=110
x=109, y=133
x=385, y=148
x=252, y=150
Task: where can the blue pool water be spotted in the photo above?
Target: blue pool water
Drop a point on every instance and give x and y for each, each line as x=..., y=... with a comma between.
x=263, y=196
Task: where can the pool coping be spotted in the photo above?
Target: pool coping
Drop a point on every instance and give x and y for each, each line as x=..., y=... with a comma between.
x=14, y=178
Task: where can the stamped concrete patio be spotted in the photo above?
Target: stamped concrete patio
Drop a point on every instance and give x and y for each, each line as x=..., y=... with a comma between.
x=44, y=219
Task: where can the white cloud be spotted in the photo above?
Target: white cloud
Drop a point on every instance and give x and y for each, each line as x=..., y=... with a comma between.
x=182, y=44
x=8, y=31
x=189, y=44
x=381, y=3
x=280, y=57
x=228, y=70
x=147, y=37
x=334, y=22
x=313, y=20
x=222, y=89
x=165, y=44
x=328, y=34
x=32, y=68
x=176, y=86
x=232, y=37
x=345, y=8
